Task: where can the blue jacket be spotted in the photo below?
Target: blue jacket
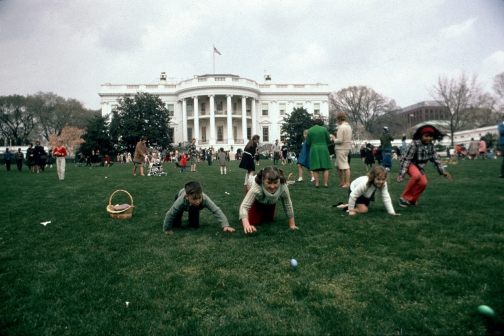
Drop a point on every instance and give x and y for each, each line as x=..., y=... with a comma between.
x=501, y=133
x=7, y=155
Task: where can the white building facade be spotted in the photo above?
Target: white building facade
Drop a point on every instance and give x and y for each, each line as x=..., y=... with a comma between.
x=225, y=110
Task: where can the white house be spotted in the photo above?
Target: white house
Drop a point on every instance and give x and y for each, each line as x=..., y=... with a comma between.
x=224, y=110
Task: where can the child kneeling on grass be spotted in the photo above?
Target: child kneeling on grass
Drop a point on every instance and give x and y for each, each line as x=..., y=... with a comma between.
x=413, y=161
x=259, y=204
x=192, y=199
x=362, y=192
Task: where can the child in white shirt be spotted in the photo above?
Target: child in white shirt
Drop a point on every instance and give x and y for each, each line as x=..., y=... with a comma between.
x=362, y=191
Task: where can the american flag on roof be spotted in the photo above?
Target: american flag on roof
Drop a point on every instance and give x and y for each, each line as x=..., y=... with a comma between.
x=216, y=51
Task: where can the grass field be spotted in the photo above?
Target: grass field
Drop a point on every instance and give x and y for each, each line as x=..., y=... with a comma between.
x=424, y=272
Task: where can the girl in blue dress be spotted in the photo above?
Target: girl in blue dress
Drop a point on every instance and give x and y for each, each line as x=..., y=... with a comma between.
x=304, y=159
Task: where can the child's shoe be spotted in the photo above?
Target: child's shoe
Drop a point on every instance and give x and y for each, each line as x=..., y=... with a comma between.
x=300, y=179
x=403, y=202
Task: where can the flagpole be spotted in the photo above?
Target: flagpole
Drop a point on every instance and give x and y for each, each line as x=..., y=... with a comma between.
x=213, y=53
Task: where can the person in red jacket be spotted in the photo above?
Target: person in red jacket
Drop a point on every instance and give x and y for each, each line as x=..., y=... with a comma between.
x=60, y=153
x=183, y=162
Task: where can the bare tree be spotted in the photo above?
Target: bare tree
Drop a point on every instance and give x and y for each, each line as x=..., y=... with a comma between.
x=459, y=97
x=498, y=87
x=16, y=120
x=54, y=113
x=365, y=108
x=485, y=110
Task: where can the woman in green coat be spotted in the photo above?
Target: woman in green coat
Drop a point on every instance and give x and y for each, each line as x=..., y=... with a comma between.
x=318, y=138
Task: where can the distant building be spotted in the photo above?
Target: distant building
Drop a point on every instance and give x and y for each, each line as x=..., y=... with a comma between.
x=421, y=112
x=224, y=110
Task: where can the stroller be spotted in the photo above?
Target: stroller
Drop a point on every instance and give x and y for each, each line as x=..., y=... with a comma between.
x=155, y=167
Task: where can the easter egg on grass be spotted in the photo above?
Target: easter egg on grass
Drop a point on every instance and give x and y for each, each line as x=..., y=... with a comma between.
x=485, y=310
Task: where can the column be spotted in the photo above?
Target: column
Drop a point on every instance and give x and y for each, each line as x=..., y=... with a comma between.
x=230, y=139
x=105, y=109
x=184, y=120
x=196, y=119
x=212, y=121
x=244, y=119
x=253, y=103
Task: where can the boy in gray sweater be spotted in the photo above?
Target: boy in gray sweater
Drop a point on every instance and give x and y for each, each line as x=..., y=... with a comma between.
x=192, y=199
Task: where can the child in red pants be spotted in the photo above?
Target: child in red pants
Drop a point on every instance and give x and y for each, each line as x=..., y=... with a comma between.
x=265, y=190
x=413, y=161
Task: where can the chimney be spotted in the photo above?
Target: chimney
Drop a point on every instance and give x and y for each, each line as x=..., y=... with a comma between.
x=267, y=79
x=162, y=78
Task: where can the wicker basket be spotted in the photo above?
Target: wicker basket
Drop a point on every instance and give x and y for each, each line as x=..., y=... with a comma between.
x=126, y=213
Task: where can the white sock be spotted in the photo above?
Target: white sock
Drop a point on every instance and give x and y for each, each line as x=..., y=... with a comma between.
x=224, y=170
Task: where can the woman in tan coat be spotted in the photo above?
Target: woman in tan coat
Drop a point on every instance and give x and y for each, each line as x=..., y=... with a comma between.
x=343, y=145
x=139, y=157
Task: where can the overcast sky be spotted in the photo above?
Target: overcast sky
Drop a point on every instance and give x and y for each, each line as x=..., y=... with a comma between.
x=398, y=48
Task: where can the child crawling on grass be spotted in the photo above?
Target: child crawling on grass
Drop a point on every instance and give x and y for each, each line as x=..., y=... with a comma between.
x=362, y=191
x=192, y=199
x=264, y=191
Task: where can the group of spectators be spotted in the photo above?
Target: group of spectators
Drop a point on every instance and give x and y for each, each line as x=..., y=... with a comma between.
x=476, y=150
x=37, y=158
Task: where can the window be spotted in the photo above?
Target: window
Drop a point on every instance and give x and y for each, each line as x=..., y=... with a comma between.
x=203, y=133
x=203, y=109
x=247, y=108
x=264, y=109
x=189, y=109
x=234, y=107
x=299, y=105
x=265, y=134
x=171, y=109
x=189, y=133
x=235, y=132
x=170, y=134
x=281, y=107
x=249, y=133
x=316, y=108
x=283, y=137
x=220, y=133
x=219, y=107
x=220, y=79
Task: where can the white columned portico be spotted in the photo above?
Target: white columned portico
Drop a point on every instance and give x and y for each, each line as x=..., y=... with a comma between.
x=253, y=103
x=196, y=119
x=184, y=120
x=212, y=120
x=244, y=119
x=230, y=139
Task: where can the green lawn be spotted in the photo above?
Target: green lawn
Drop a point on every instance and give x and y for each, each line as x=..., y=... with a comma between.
x=424, y=272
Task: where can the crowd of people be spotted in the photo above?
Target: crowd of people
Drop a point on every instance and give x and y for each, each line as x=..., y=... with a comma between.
x=37, y=159
x=264, y=189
